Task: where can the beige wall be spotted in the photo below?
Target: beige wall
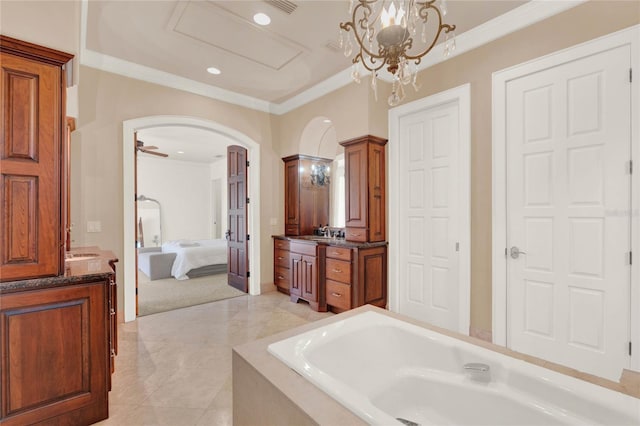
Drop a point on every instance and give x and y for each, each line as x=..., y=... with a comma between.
x=582, y=23
x=107, y=99
x=54, y=24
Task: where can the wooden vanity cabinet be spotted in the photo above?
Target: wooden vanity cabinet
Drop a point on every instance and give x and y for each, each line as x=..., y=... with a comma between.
x=68, y=385
x=32, y=95
x=365, y=202
x=307, y=278
x=338, y=272
x=355, y=277
x=281, y=265
x=306, y=202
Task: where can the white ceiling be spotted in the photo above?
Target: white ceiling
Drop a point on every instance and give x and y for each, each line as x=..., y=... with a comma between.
x=271, y=64
x=185, y=144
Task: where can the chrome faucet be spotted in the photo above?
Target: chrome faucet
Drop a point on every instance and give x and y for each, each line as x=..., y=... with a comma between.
x=478, y=371
x=325, y=231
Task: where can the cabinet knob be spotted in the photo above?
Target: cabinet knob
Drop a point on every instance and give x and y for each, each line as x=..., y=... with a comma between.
x=280, y=277
x=336, y=294
x=113, y=312
x=280, y=257
x=337, y=271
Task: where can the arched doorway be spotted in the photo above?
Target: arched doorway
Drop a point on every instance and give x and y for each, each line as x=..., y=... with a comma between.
x=128, y=145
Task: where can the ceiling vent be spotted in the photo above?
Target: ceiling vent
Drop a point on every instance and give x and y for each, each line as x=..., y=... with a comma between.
x=284, y=5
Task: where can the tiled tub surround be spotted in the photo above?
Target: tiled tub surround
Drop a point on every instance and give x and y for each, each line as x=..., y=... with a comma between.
x=382, y=368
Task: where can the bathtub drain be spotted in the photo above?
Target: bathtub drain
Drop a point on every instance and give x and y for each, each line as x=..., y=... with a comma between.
x=407, y=422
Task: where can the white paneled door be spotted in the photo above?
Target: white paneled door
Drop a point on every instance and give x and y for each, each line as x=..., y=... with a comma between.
x=568, y=152
x=428, y=147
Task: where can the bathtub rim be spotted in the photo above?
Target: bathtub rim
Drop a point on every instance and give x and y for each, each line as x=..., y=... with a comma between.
x=321, y=408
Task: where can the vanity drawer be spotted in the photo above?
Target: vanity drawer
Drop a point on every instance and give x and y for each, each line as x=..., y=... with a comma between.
x=338, y=295
x=281, y=244
x=338, y=270
x=308, y=249
x=339, y=253
x=281, y=277
x=281, y=258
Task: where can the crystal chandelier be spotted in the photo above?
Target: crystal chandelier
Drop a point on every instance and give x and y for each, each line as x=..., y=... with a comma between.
x=396, y=34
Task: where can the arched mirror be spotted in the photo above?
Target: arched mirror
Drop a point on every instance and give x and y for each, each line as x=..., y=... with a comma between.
x=149, y=222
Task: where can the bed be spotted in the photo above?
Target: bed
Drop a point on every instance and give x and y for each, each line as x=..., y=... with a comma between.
x=197, y=257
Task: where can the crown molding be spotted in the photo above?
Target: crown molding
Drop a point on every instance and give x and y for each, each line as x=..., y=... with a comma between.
x=119, y=66
x=514, y=20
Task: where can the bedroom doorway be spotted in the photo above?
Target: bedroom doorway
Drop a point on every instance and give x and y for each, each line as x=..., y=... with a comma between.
x=216, y=131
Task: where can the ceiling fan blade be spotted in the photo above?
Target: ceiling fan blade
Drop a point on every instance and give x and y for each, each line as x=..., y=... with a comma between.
x=159, y=154
x=149, y=147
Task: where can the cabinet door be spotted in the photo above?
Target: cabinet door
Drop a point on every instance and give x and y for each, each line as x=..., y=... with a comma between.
x=54, y=355
x=372, y=276
x=356, y=186
x=31, y=97
x=310, y=278
x=291, y=197
x=297, y=274
x=376, y=193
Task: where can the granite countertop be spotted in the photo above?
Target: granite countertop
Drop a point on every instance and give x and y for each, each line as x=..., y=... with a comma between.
x=81, y=263
x=329, y=241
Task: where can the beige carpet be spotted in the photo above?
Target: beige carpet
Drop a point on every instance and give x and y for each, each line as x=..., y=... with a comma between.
x=168, y=294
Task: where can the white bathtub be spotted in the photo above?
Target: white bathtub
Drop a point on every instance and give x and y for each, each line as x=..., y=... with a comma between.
x=383, y=369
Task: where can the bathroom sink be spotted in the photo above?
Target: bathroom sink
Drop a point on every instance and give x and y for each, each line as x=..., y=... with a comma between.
x=80, y=256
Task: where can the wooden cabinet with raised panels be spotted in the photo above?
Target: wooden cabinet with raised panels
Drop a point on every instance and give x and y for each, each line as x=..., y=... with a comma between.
x=355, y=277
x=306, y=192
x=54, y=352
x=32, y=94
x=365, y=189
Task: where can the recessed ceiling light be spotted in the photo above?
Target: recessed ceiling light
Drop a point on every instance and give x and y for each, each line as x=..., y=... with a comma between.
x=180, y=152
x=326, y=120
x=213, y=70
x=261, y=19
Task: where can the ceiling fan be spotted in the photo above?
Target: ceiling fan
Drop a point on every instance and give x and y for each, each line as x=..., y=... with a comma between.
x=148, y=149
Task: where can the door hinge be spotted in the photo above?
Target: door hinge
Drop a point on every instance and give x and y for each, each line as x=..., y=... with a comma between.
x=248, y=274
x=247, y=163
x=630, y=258
x=457, y=246
x=248, y=237
x=506, y=252
x=248, y=200
x=136, y=291
x=630, y=167
x=629, y=348
x=630, y=75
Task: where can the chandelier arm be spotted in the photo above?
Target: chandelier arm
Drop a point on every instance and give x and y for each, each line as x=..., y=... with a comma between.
x=347, y=26
x=423, y=13
x=370, y=67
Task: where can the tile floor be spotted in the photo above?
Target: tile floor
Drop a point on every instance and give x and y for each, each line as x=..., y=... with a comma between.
x=174, y=368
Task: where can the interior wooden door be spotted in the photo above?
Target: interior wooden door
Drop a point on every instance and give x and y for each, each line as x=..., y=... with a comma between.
x=237, y=236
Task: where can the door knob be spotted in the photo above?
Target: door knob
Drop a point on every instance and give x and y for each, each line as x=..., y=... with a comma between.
x=515, y=252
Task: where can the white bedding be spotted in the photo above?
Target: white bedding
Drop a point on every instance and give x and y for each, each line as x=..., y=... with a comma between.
x=191, y=254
